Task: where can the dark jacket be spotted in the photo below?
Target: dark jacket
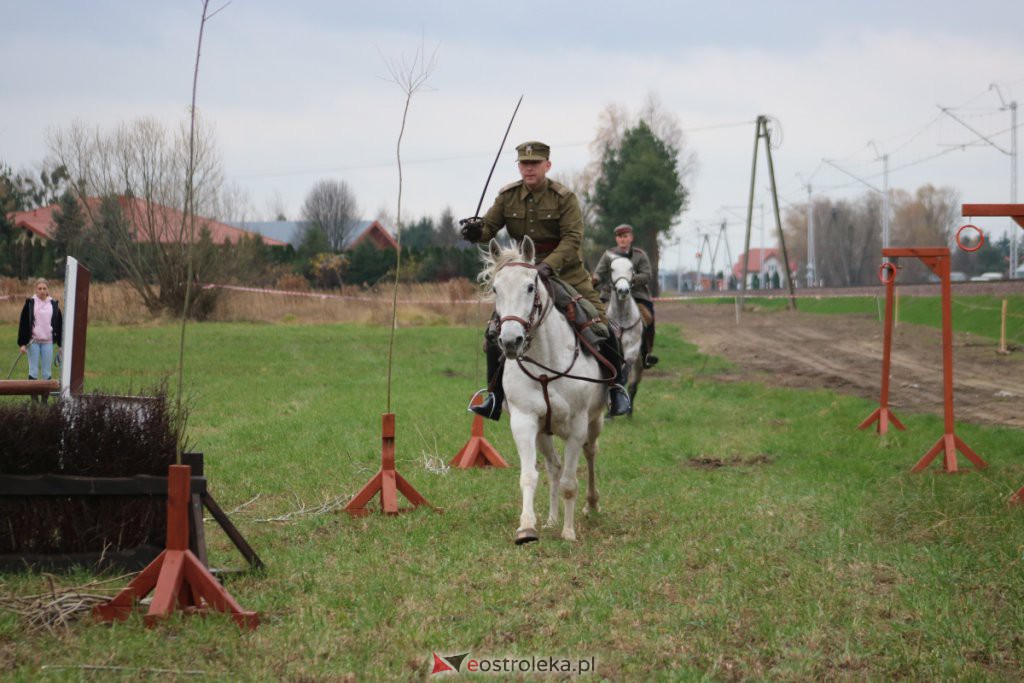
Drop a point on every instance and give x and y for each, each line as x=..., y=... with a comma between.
x=28, y=314
x=641, y=272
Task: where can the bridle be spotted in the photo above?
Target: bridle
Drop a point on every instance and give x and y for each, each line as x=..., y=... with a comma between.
x=629, y=289
x=538, y=310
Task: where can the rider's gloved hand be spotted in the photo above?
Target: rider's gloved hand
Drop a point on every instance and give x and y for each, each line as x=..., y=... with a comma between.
x=545, y=270
x=472, y=228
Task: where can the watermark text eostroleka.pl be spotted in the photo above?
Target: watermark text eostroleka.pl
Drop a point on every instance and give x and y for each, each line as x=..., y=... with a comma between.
x=464, y=663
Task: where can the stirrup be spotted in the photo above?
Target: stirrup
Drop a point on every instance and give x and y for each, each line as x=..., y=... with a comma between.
x=472, y=400
x=611, y=400
x=650, y=360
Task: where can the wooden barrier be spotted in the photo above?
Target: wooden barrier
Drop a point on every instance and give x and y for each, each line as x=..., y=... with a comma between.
x=62, y=486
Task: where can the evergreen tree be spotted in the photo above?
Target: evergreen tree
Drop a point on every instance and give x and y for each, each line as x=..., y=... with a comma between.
x=69, y=220
x=420, y=234
x=639, y=185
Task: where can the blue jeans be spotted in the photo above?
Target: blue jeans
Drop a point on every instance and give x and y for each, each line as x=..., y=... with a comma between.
x=40, y=359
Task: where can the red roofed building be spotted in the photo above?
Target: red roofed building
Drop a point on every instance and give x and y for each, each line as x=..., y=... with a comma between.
x=375, y=233
x=292, y=232
x=148, y=218
x=764, y=263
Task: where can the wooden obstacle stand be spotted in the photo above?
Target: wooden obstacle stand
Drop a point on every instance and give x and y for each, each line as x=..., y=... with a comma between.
x=1016, y=212
x=478, y=451
x=883, y=414
x=937, y=259
x=179, y=579
x=387, y=482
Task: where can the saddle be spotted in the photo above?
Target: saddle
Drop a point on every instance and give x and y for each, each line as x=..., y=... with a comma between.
x=593, y=330
x=579, y=311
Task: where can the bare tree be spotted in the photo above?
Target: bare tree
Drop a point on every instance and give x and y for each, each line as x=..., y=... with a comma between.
x=331, y=207
x=276, y=208
x=850, y=242
x=411, y=76
x=145, y=160
x=925, y=219
x=848, y=233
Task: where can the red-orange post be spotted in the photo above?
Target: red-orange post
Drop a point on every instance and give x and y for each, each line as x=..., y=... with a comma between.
x=178, y=577
x=883, y=414
x=387, y=481
x=1016, y=212
x=937, y=259
x=478, y=451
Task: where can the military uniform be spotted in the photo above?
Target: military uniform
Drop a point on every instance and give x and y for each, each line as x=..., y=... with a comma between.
x=551, y=217
x=641, y=273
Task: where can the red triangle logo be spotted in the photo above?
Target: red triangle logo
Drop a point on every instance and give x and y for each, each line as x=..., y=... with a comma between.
x=440, y=665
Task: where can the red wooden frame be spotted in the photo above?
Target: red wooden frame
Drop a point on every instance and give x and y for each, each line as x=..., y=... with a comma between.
x=1014, y=211
x=937, y=259
x=883, y=414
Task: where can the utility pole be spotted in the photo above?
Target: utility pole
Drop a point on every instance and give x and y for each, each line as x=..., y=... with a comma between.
x=761, y=272
x=811, y=265
x=885, y=201
x=1012, y=153
x=728, y=254
x=762, y=131
x=714, y=253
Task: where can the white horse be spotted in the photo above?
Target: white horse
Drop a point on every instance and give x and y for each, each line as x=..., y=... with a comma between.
x=551, y=387
x=624, y=312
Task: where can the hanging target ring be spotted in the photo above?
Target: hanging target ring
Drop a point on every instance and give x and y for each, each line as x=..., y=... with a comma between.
x=975, y=228
x=887, y=272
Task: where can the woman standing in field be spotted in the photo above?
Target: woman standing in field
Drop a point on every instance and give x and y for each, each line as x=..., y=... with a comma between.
x=40, y=330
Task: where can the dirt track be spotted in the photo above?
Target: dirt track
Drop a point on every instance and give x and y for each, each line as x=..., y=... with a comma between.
x=844, y=353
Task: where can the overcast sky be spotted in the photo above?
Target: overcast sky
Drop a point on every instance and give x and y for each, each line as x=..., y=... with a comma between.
x=299, y=91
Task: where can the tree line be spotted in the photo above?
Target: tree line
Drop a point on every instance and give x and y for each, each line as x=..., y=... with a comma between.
x=848, y=236
x=635, y=178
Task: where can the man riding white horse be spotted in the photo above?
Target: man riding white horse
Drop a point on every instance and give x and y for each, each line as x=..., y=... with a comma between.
x=549, y=213
x=641, y=278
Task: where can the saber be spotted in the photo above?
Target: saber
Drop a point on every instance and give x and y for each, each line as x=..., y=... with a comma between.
x=495, y=164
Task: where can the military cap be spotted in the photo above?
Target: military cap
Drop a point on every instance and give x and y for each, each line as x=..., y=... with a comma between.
x=533, y=151
x=623, y=229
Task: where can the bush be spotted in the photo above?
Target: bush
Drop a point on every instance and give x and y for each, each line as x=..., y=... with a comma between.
x=93, y=435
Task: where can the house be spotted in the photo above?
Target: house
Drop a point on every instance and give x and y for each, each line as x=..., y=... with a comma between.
x=764, y=263
x=291, y=232
x=148, y=218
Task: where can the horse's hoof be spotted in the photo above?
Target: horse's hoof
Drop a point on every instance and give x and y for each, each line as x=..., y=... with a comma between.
x=526, y=536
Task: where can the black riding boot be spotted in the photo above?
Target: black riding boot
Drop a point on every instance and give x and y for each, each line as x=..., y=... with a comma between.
x=491, y=407
x=611, y=348
x=650, y=360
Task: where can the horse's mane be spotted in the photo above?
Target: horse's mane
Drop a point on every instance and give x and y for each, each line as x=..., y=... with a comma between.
x=493, y=265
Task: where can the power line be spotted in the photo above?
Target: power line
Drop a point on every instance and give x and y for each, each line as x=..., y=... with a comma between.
x=435, y=160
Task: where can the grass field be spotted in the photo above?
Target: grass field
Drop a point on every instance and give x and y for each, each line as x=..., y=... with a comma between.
x=746, y=531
